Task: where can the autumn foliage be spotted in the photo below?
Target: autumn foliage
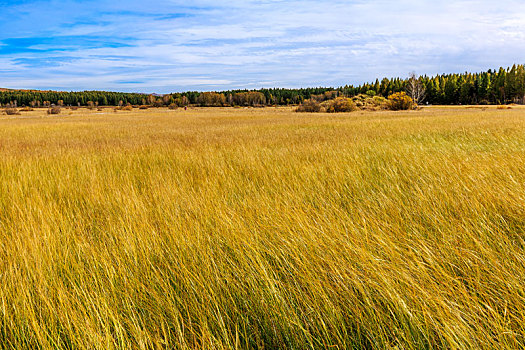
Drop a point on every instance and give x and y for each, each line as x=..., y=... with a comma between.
x=400, y=101
x=339, y=105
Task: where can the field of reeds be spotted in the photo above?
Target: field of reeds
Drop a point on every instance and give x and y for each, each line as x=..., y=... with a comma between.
x=263, y=228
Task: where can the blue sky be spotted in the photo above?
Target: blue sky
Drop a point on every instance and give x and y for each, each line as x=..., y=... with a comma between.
x=172, y=45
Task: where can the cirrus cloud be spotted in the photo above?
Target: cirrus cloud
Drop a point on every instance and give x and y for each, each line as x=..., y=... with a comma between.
x=172, y=46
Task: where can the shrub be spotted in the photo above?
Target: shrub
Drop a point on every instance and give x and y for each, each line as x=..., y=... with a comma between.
x=368, y=103
x=143, y=107
x=11, y=111
x=379, y=100
x=173, y=106
x=26, y=109
x=400, y=102
x=74, y=108
x=339, y=105
x=375, y=103
x=54, y=110
x=309, y=106
x=127, y=108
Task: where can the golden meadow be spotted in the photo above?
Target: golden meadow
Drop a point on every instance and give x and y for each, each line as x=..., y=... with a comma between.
x=263, y=228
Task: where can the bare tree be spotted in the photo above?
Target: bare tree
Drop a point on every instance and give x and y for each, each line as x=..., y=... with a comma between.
x=415, y=88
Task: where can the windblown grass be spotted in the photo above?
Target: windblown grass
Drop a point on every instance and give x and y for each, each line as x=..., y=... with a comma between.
x=246, y=228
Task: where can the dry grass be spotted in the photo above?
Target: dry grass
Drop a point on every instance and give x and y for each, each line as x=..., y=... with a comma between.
x=239, y=228
x=54, y=110
x=11, y=111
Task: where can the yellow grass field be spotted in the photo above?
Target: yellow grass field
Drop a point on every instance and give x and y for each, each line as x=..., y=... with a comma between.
x=263, y=228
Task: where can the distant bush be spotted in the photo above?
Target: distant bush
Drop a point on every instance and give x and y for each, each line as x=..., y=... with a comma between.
x=379, y=101
x=173, y=106
x=339, y=105
x=11, y=111
x=26, y=109
x=54, y=110
x=400, y=102
x=368, y=103
x=143, y=107
x=309, y=106
x=127, y=108
x=74, y=108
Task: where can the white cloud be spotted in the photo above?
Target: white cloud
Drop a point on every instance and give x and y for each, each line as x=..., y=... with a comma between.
x=254, y=43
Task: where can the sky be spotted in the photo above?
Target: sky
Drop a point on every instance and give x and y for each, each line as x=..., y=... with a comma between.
x=172, y=45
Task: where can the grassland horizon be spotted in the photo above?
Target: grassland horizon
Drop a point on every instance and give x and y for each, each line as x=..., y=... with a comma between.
x=224, y=228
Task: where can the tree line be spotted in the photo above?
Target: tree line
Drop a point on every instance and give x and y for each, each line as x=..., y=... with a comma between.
x=501, y=86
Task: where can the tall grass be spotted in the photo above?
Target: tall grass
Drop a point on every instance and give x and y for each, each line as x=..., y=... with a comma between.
x=261, y=228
